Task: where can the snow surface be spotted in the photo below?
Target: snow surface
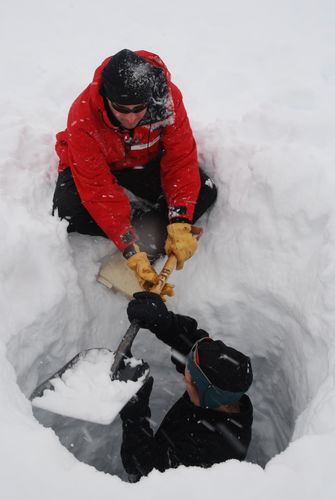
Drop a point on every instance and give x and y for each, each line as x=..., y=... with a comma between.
x=258, y=80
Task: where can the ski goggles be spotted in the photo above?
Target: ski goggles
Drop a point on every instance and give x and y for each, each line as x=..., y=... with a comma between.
x=210, y=395
x=125, y=110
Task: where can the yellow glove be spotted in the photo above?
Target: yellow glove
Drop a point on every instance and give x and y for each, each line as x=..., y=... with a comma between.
x=145, y=273
x=180, y=242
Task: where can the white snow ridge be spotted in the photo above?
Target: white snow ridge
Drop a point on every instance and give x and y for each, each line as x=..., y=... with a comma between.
x=258, y=80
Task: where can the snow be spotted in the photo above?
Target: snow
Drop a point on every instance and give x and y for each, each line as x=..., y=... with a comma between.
x=258, y=80
x=85, y=390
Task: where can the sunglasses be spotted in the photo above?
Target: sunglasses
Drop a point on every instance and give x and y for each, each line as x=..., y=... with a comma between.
x=125, y=110
x=210, y=395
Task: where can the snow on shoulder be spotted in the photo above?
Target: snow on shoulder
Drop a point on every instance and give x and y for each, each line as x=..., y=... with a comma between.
x=85, y=390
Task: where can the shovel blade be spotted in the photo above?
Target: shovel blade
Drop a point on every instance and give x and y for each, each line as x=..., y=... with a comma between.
x=83, y=388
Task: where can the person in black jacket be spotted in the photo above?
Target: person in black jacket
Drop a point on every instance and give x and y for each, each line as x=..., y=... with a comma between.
x=211, y=422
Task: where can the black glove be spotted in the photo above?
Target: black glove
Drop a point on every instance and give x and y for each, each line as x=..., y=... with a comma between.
x=149, y=309
x=138, y=406
x=138, y=449
x=128, y=371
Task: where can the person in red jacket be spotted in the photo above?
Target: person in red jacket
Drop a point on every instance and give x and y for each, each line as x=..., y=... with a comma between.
x=128, y=131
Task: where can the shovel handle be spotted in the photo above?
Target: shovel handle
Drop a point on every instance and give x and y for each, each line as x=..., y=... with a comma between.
x=171, y=263
x=163, y=276
x=169, y=266
x=124, y=347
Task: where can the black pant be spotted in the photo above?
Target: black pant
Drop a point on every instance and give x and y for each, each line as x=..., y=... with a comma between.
x=149, y=216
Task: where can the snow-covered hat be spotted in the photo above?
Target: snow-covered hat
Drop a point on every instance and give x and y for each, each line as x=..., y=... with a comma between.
x=128, y=78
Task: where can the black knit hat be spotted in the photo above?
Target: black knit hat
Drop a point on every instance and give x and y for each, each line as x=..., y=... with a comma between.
x=128, y=78
x=228, y=369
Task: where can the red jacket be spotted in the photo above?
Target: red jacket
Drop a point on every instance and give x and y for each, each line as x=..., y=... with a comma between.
x=93, y=147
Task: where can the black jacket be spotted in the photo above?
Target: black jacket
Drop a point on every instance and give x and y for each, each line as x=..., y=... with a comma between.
x=188, y=435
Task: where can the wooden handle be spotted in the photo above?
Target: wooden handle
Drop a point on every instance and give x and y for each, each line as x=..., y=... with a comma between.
x=163, y=276
x=171, y=263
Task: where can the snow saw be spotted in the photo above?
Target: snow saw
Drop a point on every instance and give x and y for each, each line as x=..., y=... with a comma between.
x=96, y=384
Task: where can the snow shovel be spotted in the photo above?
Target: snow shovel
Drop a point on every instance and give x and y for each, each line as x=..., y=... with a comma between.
x=82, y=389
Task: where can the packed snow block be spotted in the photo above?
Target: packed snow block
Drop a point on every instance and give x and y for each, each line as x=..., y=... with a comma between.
x=115, y=274
x=83, y=388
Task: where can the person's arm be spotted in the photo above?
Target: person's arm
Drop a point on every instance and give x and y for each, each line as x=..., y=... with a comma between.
x=177, y=331
x=138, y=445
x=180, y=179
x=179, y=165
x=101, y=195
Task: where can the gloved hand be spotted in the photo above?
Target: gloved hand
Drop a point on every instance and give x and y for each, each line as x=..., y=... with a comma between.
x=150, y=310
x=180, y=242
x=138, y=406
x=145, y=273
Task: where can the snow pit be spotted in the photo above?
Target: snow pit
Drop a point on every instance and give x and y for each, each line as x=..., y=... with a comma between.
x=277, y=376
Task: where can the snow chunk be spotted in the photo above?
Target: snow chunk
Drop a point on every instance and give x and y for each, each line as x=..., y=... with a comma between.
x=85, y=390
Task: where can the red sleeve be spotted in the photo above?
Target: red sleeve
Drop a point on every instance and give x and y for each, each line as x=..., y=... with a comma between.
x=98, y=189
x=179, y=165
